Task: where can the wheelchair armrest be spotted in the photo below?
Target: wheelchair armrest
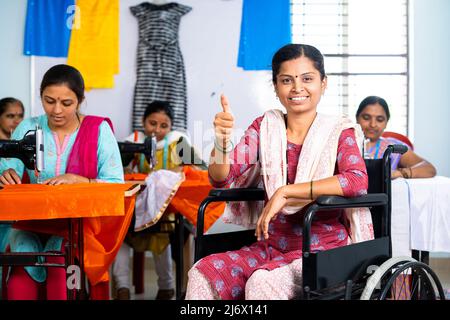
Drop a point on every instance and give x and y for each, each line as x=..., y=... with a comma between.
x=237, y=194
x=336, y=202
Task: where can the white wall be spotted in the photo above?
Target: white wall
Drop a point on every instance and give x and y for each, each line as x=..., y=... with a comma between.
x=431, y=81
x=209, y=41
x=14, y=66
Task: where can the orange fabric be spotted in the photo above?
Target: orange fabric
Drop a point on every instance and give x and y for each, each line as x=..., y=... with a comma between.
x=135, y=176
x=191, y=193
x=106, y=217
x=39, y=201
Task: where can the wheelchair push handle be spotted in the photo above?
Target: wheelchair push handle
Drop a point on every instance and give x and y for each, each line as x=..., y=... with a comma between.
x=394, y=148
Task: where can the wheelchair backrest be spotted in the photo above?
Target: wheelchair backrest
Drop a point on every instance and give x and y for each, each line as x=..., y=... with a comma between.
x=379, y=173
x=375, y=172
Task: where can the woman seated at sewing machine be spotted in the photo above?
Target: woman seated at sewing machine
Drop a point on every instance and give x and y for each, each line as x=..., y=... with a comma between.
x=77, y=149
x=173, y=149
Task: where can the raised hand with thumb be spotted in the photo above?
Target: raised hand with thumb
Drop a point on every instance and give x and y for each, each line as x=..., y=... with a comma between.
x=223, y=127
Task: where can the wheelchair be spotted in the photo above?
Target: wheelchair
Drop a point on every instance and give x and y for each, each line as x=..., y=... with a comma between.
x=364, y=270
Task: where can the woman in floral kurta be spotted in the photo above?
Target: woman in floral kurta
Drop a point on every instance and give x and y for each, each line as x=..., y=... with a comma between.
x=271, y=268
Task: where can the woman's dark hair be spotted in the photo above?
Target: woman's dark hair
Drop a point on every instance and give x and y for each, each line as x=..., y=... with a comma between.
x=373, y=100
x=294, y=51
x=158, y=106
x=64, y=74
x=7, y=101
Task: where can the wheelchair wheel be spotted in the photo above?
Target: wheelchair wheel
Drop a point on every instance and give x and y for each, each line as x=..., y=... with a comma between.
x=403, y=278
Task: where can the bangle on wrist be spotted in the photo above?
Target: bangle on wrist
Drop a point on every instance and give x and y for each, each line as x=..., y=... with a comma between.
x=229, y=147
x=311, y=190
x=403, y=173
x=410, y=172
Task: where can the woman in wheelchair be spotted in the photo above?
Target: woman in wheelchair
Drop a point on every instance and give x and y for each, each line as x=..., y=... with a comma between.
x=373, y=115
x=296, y=156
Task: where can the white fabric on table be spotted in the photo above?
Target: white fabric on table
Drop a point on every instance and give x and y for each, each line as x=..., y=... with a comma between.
x=400, y=222
x=430, y=213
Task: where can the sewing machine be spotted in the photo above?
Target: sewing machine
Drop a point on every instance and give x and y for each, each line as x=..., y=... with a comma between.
x=30, y=150
x=148, y=148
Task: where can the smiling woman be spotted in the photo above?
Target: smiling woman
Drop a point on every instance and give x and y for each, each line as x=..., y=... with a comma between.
x=297, y=156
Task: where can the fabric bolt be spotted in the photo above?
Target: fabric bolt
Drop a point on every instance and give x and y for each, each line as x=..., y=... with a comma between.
x=259, y=41
x=48, y=27
x=160, y=66
x=94, y=44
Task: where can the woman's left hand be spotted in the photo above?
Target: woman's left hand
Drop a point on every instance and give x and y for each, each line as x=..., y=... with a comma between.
x=270, y=211
x=396, y=174
x=68, y=178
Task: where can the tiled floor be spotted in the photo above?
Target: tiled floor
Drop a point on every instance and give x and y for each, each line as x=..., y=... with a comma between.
x=441, y=266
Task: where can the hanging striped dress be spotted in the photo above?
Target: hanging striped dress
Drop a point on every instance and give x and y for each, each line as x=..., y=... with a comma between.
x=160, y=66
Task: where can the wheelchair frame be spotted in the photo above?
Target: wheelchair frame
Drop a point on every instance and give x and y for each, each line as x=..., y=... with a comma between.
x=321, y=278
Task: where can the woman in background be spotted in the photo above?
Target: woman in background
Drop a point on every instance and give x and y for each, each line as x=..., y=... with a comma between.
x=373, y=115
x=11, y=114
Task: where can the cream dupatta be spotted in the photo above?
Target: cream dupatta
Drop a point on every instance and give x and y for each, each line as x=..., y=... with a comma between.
x=317, y=161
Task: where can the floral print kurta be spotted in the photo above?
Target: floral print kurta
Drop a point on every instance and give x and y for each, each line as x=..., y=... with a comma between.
x=228, y=272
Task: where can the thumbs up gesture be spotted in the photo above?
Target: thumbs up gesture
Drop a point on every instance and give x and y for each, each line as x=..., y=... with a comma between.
x=223, y=126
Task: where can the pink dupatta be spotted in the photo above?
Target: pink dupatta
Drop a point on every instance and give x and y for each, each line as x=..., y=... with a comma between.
x=83, y=157
x=102, y=235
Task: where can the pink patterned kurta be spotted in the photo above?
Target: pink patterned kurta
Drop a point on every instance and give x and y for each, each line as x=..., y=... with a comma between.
x=227, y=273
